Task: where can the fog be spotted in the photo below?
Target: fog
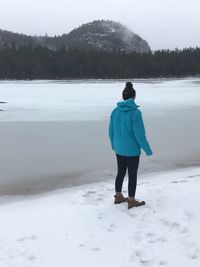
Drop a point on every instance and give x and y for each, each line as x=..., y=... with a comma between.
x=164, y=24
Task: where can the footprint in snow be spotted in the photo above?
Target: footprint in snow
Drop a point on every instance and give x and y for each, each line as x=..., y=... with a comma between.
x=89, y=193
x=188, y=215
x=162, y=263
x=174, y=226
x=92, y=197
x=180, y=181
x=96, y=249
x=194, y=176
x=192, y=252
x=170, y=224
x=25, y=238
x=150, y=234
x=31, y=258
x=111, y=227
x=162, y=239
x=82, y=245
x=152, y=238
x=134, y=215
x=144, y=258
x=142, y=183
x=101, y=216
x=89, y=246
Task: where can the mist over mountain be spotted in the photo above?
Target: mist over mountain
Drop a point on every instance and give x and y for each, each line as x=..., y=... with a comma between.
x=103, y=35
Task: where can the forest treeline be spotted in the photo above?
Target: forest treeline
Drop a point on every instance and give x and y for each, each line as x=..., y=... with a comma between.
x=39, y=62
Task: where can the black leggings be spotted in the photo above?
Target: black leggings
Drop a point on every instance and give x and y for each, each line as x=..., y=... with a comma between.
x=122, y=163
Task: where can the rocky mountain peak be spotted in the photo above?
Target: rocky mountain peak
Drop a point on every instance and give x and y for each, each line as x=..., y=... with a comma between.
x=104, y=35
x=107, y=35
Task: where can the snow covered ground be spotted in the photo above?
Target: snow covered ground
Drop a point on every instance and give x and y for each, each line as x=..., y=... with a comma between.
x=82, y=227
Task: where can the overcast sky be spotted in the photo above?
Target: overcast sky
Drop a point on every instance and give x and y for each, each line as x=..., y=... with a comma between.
x=163, y=23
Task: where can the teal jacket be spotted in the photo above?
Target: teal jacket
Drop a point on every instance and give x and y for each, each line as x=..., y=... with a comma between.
x=126, y=130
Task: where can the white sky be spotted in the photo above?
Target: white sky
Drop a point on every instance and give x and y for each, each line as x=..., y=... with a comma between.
x=163, y=23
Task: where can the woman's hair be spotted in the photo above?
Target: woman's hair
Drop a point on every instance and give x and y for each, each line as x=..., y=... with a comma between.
x=129, y=91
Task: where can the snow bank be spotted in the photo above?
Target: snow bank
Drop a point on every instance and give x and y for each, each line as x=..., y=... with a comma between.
x=82, y=227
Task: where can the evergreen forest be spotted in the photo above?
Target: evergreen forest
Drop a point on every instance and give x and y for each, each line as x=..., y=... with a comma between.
x=28, y=63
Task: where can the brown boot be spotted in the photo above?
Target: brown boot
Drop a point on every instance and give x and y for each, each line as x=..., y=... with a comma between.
x=119, y=198
x=135, y=203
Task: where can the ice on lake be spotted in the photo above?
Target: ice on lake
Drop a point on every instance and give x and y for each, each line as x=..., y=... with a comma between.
x=90, y=100
x=55, y=133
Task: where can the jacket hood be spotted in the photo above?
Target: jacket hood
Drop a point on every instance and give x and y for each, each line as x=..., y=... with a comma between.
x=127, y=105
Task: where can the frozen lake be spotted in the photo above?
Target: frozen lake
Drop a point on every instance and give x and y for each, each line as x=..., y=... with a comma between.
x=91, y=100
x=54, y=134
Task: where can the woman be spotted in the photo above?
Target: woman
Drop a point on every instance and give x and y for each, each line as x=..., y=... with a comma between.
x=127, y=137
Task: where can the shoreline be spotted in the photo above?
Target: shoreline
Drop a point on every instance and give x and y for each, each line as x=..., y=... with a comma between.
x=34, y=190
x=41, y=156
x=102, y=80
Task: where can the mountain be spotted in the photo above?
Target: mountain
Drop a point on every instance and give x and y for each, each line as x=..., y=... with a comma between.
x=106, y=35
x=98, y=35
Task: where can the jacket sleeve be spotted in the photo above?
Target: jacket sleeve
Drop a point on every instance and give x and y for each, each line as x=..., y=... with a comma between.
x=111, y=131
x=139, y=132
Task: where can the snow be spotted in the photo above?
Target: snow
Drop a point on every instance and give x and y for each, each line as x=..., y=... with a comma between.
x=97, y=34
x=107, y=27
x=44, y=119
x=90, y=100
x=81, y=226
